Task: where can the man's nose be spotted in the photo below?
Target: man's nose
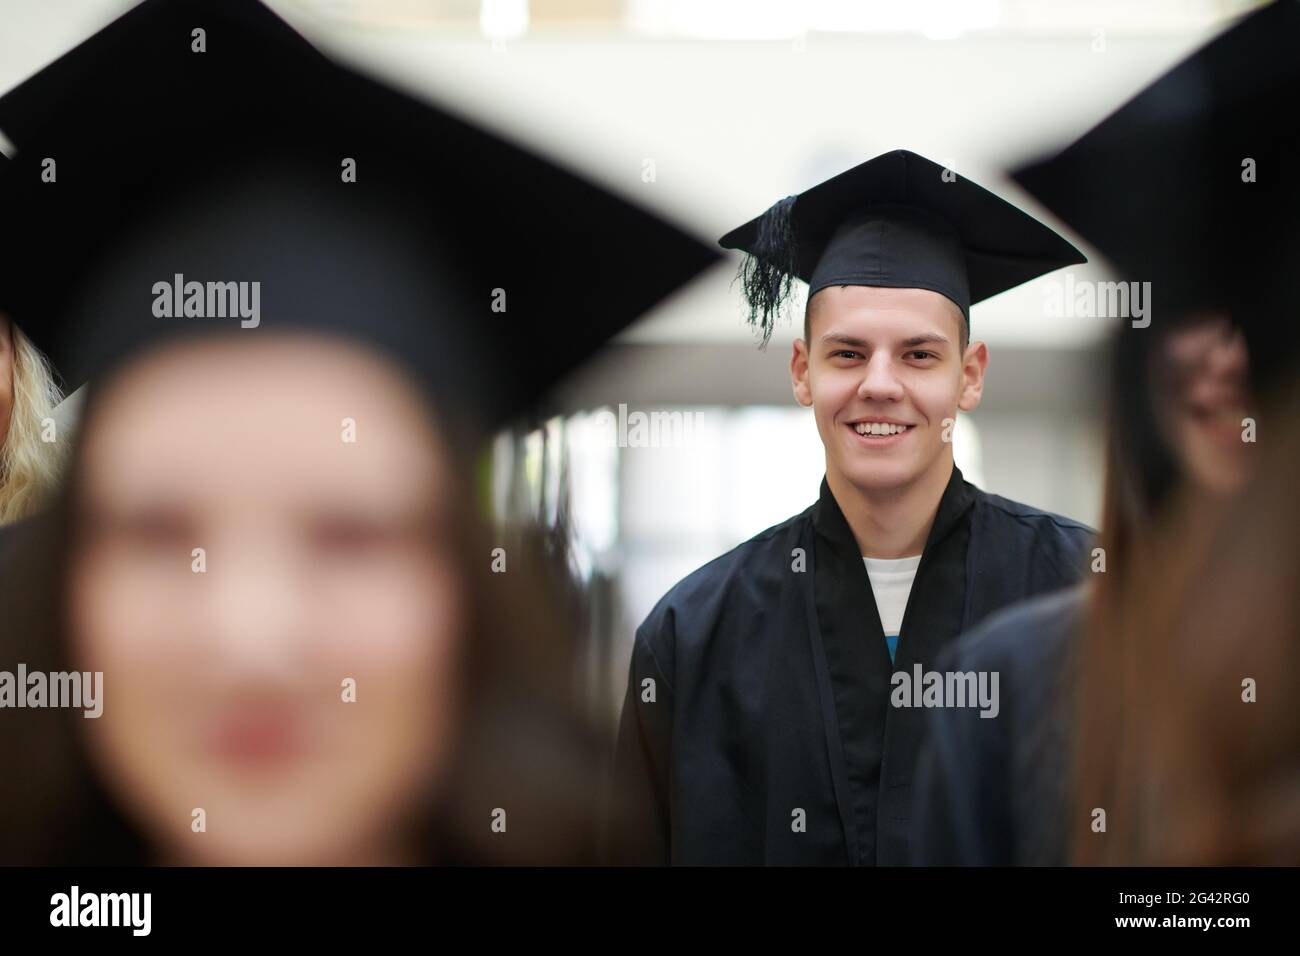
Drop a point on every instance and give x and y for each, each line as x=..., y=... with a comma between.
x=879, y=381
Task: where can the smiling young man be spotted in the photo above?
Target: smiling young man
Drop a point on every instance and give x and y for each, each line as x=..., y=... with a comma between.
x=769, y=716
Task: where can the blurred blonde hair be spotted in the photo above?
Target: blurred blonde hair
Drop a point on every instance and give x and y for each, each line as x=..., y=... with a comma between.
x=29, y=466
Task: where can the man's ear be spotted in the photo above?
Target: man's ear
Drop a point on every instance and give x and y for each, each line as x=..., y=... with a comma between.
x=974, y=363
x=799, y=373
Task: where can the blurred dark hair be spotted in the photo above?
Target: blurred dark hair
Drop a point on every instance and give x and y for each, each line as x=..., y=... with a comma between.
x=521, y=743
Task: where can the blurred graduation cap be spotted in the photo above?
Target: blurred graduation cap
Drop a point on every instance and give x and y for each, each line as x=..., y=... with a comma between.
x=1192, y=184
x=204, y=145
x=898, y=221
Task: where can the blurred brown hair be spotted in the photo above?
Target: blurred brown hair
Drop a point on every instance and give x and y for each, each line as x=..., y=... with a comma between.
x=1198, y=598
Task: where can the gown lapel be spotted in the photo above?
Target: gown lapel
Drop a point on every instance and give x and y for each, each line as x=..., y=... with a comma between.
x=871, y=741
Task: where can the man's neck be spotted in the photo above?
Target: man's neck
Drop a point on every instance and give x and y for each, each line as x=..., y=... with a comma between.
x=895, y=523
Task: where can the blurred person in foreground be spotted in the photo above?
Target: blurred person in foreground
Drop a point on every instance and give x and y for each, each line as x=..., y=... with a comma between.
x=1207, y=771
x=264, y=622
x=317, y=683
x=1107, y=687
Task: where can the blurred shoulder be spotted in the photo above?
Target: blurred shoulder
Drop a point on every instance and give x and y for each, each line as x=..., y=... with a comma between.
x=1025, y=636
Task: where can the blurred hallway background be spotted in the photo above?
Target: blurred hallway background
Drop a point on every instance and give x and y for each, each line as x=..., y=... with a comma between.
x=708, y=111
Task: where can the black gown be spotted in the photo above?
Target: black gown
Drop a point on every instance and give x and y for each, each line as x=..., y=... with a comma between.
x=770, y=738
x=997, y=792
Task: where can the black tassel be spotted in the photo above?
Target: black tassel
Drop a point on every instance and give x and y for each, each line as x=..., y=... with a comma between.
x=770, y=268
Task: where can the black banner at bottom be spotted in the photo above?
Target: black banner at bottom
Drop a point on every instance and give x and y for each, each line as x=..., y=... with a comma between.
x=608, y=905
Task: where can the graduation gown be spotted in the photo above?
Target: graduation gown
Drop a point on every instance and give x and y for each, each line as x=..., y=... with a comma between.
x=757, y=727
x=997, y=792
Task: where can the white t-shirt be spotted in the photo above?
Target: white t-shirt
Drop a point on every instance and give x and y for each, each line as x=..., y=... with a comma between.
x=891, y=583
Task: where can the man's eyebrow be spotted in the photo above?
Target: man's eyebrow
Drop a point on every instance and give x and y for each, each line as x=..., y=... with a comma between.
x=838, y=338
x=930, y=338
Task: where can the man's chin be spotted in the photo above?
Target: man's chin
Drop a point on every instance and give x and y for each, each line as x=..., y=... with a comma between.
x=882, y=477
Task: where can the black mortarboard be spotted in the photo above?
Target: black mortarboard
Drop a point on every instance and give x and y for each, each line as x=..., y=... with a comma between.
x=1163, y=186
x=898, y=221
x=228, y=165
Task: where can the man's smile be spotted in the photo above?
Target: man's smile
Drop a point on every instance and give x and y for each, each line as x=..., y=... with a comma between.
x=879, y=432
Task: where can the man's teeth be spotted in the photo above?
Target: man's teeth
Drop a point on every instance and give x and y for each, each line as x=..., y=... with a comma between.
x=879, y=428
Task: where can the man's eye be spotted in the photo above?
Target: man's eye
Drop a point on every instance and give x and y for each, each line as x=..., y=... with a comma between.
x=846, y=353
x=921, y=355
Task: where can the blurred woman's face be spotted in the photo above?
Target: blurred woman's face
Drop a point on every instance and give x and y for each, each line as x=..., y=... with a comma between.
x=296, y=679
x=1206, y=398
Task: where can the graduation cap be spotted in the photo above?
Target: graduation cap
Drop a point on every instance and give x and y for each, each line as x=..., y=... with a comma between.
x=1192, y=184
x=203, y=145
x=897, y=221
